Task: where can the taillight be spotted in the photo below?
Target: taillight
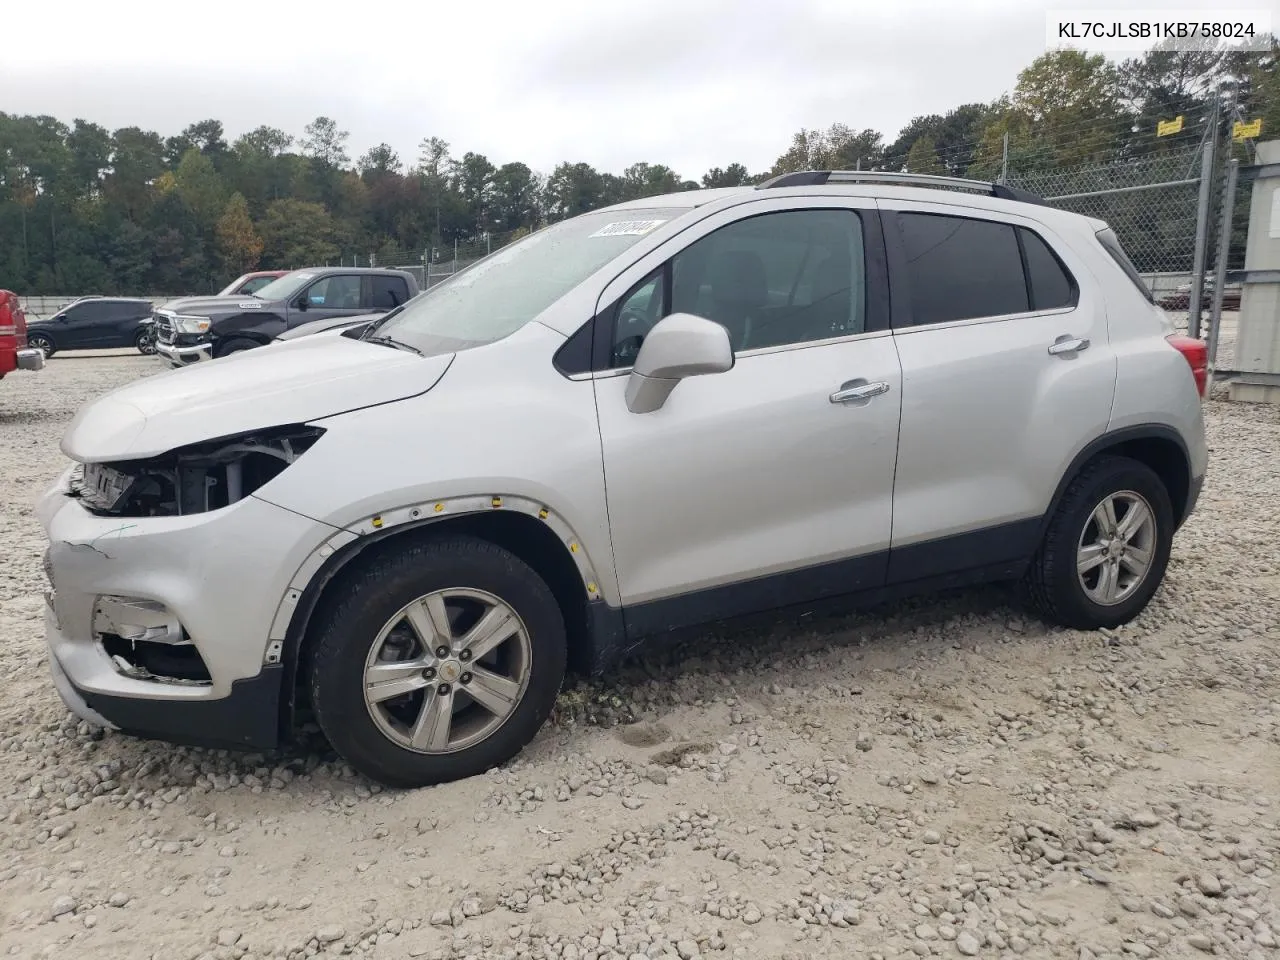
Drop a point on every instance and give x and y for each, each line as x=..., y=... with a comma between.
x=1196, y=353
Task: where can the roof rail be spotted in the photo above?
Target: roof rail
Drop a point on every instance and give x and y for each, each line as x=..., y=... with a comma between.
x=815, y=178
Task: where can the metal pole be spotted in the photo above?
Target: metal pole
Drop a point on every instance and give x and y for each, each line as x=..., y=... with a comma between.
x=1004, y=160
x=1202, y=226
x=1220, y=270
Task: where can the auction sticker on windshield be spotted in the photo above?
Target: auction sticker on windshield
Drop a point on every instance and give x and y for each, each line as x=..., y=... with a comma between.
x=628, y=228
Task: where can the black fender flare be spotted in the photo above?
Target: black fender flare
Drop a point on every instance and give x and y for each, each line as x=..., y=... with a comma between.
x=1117, y=438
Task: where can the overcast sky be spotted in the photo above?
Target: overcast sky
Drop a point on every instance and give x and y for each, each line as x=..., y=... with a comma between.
x=689, y=83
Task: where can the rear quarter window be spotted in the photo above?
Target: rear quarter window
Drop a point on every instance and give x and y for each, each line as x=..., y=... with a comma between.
x=1049, y=283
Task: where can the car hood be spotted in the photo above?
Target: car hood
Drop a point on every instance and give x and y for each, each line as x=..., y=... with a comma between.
x=209, y=306
x=334, y=324
x=294, y=382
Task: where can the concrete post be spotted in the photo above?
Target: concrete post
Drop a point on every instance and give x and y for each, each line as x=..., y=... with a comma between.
x=1258, y=338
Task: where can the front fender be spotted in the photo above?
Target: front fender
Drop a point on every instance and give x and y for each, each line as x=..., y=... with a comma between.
x=327, y=559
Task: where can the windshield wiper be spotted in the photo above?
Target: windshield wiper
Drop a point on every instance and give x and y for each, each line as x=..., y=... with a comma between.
x=392, y=342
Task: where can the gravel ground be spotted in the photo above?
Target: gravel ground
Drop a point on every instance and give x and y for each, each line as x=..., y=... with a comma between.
x=947, y=777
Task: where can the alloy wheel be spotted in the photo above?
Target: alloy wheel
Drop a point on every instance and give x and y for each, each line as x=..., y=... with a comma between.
x=1116, y=547
x=447, y=670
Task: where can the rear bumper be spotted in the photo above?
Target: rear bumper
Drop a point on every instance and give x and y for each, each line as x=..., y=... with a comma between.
x=1193, y=497
x=30, y=359
x=184, y=356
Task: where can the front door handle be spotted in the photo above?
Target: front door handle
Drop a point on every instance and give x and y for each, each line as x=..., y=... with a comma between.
x=1067, y=345
x=858, y=390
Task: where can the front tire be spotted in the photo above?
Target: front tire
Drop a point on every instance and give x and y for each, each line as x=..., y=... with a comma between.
x=145, y=341
x=437, y=662
x=235, y=345
x=1105, y=552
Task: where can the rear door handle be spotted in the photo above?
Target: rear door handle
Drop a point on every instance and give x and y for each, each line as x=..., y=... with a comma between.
x=856, y=390
x=1067, y=345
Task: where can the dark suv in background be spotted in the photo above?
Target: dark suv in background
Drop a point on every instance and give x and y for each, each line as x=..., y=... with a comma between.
x=202, y=328
x=94, y=323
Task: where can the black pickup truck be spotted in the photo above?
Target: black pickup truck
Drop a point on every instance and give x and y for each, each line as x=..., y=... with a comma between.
x=202, y=328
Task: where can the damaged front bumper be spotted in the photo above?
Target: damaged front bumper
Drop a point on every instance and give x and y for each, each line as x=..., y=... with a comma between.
x=158, y=626
x=184, y=356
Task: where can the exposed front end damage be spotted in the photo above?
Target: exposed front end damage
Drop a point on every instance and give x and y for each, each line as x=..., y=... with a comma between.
x=162, y=590
x=193, y=479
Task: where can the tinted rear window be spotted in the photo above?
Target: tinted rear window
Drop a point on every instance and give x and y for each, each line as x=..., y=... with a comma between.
x=389, y=292
x=1051, y=285
x=960, y=268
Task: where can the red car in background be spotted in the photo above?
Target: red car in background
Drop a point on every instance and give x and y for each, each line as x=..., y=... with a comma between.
x=14, y=352
x=250, y=282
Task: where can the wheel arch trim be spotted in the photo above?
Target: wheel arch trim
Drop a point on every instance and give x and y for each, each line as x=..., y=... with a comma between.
x=333, y=554
x=1114, y=438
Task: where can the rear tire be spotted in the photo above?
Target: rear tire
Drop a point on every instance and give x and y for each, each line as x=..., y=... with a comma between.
x=1105, y=552
x=42, y=342
x=236, y=345
x=392, y=624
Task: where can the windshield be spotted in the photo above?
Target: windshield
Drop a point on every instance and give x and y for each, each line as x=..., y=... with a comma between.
x=496, y=296
x=242, y=284
x=233, y=286
x=285, y=287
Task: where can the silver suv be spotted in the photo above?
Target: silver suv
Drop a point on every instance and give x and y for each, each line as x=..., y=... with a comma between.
x=666, y=413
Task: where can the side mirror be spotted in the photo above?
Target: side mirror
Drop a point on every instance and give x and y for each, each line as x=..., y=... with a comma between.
x=681, y=345
x=302, y=302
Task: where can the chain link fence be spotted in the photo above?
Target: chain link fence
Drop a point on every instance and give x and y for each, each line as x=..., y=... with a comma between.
x=1150, y=202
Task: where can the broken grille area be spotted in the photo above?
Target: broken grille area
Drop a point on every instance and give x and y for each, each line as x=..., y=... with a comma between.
x=194, y=479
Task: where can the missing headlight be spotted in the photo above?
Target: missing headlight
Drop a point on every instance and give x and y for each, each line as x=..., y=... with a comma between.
x=193, y=479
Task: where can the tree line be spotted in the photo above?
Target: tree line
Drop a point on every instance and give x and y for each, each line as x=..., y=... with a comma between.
x=83, y=208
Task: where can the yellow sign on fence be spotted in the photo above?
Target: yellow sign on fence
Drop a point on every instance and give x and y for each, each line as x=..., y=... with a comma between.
x=1165, y=127
x=1246, y=131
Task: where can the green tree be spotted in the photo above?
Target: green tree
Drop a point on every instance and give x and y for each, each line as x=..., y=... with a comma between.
x=207, y=137
x=200, y=187
x=473, y=181
x=573, y=188
x=377, y=162
x=734, y=175
x=513, y=199
x=239, y=246
x=649, y=180
x=90, y=149
x=296, y=233
x=923, y=158
x=1070, y=101
x=839, y=147
x=323, y=141
x=137, y=159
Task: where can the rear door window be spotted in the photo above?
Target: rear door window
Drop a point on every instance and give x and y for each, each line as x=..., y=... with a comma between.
x=389, y=292
x=961, y=268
